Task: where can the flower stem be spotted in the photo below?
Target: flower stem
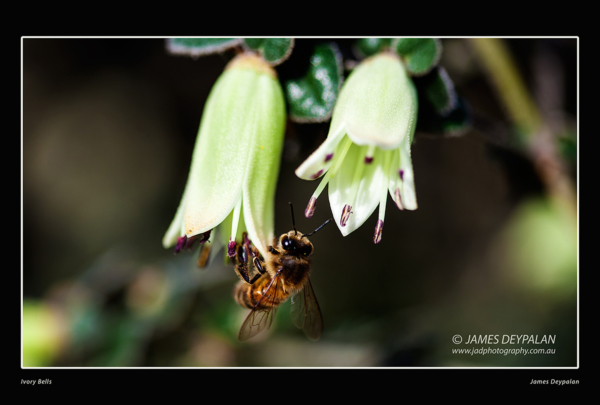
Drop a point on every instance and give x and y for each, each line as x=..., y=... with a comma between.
x=536, y=138
x=499, y=65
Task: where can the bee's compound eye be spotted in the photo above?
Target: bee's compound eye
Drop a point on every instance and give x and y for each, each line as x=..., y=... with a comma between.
x=306, y=250
x=286, y=243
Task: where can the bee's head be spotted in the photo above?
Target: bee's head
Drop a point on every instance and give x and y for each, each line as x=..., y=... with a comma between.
x=296, y=243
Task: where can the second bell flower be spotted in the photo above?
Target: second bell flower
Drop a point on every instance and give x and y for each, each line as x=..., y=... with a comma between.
x=367, y=150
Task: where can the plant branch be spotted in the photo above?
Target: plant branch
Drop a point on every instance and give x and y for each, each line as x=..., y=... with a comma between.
x=535, y=137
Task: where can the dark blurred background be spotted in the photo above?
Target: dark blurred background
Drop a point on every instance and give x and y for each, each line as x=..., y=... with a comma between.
x=108, y=131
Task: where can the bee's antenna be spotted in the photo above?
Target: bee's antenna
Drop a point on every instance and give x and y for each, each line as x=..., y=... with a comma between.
x=315, y=231
x=293, y=221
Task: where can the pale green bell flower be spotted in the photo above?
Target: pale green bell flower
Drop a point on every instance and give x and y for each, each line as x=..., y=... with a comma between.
x=235, y=162
x=367, y=151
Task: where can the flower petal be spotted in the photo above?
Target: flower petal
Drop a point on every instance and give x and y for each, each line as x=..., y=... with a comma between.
x=176, y=228
x=263, y=168
x=321, y=159
x=377, y=103
x=402, y=180
x=222, y=151
x=364, y=196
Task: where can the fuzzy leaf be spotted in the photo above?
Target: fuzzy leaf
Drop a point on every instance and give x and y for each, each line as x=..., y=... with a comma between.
x=454, y=123
x=365, y=47
x=420, y=55
x=200, y=46
x=273, y=50
x=441, y=111
x=311, y=98
x=440, y=92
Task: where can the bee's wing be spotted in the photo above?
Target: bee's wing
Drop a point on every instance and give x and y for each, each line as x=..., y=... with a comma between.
x=260, y=318
x=306, y=313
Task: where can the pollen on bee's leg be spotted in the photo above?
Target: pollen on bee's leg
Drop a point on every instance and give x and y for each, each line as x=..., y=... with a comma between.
x=398, y=199
x=378, y=231
x=310, y=208
x=345, y=214
x=180, y=243
x=231, y=247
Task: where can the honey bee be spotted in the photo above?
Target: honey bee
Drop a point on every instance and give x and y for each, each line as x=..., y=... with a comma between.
x=284, y=273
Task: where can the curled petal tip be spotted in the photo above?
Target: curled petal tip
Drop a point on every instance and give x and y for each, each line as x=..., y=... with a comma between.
x=310, y=208
x=378, y=231
x=345, y=215
x=398, y=199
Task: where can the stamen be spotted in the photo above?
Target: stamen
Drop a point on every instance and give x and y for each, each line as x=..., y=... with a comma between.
x=234, y=225
x=358, y=172
x=310, y=208
x=205, y=236
x=330, y=173
x=189, y=243
x=180, y=243
x=204, y=255
x=387, y=161
x=231, y=247
x=345, y=215
x=401, y=173
x=378, y=231
x=370, y=154
x=328, y=157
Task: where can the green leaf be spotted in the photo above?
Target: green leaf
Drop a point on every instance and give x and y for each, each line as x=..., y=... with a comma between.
x=365, y=47
x=441, y=110
x=440, y=92
x=567, y=144
x=273, y=50
x=311, y=98
x=453, y=124
x=420, y=55
x=200, y=46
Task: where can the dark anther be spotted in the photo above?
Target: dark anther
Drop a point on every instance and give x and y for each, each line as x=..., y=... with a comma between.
x=180, y=243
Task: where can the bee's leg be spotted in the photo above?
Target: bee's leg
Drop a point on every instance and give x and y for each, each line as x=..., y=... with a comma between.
x=242, y=267
x=273, y=250
x=258, y=261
